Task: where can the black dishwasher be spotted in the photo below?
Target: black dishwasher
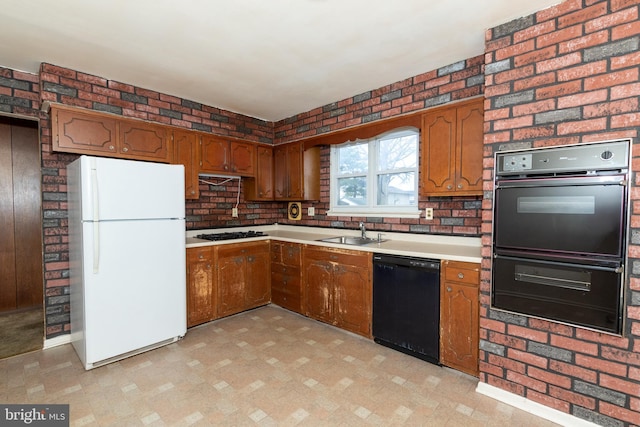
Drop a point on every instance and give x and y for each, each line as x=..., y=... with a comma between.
x=406, y=305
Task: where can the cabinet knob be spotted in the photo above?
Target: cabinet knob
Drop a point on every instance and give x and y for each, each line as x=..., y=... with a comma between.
x=193, y=191
x=226, y=167
x=200, y=256
x=448, y=288
x=460, y=276
x=459, y=185
x=449, y=187
x=125, y=149
x=111, y=147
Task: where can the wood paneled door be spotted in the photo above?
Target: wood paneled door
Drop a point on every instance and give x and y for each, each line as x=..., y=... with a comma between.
x=21, y=282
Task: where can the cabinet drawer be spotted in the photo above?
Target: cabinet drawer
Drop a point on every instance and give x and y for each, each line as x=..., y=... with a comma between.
x=285, y=269
x=462, y=272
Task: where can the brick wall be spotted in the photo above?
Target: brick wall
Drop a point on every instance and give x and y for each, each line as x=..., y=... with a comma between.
x=567, y=74
x=454, y=82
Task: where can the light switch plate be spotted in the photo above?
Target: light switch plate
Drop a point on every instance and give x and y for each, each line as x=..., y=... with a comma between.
x=234, y=212
x=311, y=211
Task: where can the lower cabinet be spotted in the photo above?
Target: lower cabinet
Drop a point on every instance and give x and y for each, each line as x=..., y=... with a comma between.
x=286, y=269
x=243, y=276
x=459, y=315
x=201, y=289
x=338, y=287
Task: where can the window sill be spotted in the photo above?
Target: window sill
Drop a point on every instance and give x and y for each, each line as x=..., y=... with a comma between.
x=376, y=214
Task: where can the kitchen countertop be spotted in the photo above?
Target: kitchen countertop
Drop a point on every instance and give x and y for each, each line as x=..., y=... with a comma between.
x=453, y=248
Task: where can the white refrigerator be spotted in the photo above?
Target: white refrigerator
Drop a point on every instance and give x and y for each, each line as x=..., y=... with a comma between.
x=127, y=257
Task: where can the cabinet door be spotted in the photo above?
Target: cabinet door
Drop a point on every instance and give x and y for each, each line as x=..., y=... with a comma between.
x=145, y=141
x=261, y=187
x=231, y=273
x=280, y=170
x=295, y=171
x=258, y=286
x=318, y=285
x=469, y=146
x=353, y=293
x=186, y=153
x=438, y=152
x=243, y=157
x=78, y=132
x=285, y=275
x=214, y=155
x=459, y=316
x=201, y=295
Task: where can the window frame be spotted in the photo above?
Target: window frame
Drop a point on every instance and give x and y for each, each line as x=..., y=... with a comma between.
x=372, y=208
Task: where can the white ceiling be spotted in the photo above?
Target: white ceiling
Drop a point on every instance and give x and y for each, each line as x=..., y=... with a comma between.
x=268, y=59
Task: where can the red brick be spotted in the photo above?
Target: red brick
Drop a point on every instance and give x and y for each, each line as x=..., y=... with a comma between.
x=528, y=333
x=619, y=413
x=496, y=90
x=546, y=325
x=558, y=63
x=586, y=41
x=602, y=338
x=437, y=81
x=561, y=9
x=582, y=71
x=535, y=57
x=611, y=79
x=558, y=90
x=572, y=370
x=98, y=81
x=571, y=397
x=534, y=81
x=624, y=61
x=534, y=107
x=534, y=132
x=120, y=86
x=625, y=120
x=515, y=74
x=618, y=384
x=582, y=126
x=612, y=20
x=491, y=369
x=583, y=15
x=527, y=381
x=534, y=31
x=517, y=122
x=549, y=377
x=610, y=108
x=515, y=49
x=621, y=4
x=507, y=364
x=548, y=401
x=584, y=98
x=622, y=356
x=559, y=36
x=92, y=96
x=58, y=71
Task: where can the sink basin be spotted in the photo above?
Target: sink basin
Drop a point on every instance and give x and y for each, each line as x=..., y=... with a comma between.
x=350, y=240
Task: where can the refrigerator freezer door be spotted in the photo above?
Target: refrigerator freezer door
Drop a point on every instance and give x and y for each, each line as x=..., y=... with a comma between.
x=137, y=298
x=114, y=189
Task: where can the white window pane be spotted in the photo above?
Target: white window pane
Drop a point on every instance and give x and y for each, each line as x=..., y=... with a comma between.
x=352, y=191
x=397, y=189
x=353, y=159
x=398, y=153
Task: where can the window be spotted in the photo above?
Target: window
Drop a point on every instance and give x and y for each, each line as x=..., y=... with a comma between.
x=378, y=176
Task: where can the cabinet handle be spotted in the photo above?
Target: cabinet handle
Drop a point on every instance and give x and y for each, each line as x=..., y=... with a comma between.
x=125, y=149
x=200, y=256
x=460, y=276
x=448, y=288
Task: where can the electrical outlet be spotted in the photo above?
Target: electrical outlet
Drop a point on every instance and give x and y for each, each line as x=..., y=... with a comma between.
x=234, y=212
x=428, y=213
x=311, y=211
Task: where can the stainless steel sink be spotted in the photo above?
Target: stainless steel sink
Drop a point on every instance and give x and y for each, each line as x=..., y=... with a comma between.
x=351, y=240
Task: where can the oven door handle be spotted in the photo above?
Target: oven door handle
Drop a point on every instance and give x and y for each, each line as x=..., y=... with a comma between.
x=561, y=181
x=554, y=281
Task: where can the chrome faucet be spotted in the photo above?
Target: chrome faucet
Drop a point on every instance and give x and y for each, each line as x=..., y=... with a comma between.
x=363, y=229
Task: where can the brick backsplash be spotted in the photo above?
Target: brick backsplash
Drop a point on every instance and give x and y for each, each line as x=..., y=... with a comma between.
x=567, y=74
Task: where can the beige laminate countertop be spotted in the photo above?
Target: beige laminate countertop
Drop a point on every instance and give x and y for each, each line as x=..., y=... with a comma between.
x=453, y=248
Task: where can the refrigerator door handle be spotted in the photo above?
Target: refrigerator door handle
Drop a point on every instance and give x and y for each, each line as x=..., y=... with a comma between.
x=96, y=216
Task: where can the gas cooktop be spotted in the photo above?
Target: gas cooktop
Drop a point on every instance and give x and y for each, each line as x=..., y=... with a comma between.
x=230, y=235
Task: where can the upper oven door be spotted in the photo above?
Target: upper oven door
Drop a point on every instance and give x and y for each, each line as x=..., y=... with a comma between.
x=580, y=215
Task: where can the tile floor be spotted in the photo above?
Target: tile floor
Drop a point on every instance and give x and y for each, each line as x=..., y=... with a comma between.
x=266, y=367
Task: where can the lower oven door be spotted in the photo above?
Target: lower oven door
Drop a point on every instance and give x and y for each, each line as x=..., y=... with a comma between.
x=581, y=295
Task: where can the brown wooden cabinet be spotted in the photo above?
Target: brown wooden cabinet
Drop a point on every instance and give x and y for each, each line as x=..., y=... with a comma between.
x=297, y=172
x=220, y=155
x=459, y=315
x=243, y=276
x=86, y=132
x=338, y=287
x=286, y=269
x=451, y=147
x=201, y=289
x=187, y=153
x=261, y=187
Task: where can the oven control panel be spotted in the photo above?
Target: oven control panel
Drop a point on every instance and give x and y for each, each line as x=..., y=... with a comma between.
x=580, y=158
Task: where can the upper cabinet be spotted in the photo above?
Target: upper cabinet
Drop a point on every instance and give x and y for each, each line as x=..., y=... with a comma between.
x=86, y=132
x=297, y=172
x=219, y=155
x=261, y=187
x=186, y=152
x=451, y=147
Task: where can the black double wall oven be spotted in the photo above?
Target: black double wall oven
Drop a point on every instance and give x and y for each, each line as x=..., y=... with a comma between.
x=559, y=238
